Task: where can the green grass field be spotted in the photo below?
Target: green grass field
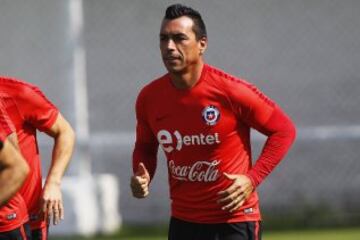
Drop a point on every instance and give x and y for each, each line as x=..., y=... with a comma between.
x=323, y=234
x=329, y=234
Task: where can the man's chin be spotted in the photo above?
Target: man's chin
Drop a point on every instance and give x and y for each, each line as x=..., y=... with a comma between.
x=174, y=69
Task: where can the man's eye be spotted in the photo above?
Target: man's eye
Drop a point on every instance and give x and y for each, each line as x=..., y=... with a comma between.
x=180, y=38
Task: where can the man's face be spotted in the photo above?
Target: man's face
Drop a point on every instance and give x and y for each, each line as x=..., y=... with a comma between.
x=178, y=44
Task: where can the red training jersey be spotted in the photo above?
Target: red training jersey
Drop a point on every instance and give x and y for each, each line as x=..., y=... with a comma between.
x=29, y=110
x=14, y=213
x=204, y=132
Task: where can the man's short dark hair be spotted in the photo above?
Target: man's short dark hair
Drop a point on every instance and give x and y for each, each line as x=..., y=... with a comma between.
x=178, y=10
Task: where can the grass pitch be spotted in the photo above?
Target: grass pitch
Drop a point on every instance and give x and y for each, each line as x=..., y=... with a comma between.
x=160, y=234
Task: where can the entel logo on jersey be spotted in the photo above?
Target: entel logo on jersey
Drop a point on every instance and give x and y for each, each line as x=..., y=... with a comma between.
x=165, y=138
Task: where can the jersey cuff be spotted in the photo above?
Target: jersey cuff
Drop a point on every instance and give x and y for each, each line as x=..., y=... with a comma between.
x=252, y=181
x=50, y=122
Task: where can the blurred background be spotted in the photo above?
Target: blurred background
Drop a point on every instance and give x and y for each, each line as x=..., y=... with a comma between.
x=92, y=57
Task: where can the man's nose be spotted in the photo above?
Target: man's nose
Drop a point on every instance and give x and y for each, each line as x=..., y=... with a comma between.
x=170, y=44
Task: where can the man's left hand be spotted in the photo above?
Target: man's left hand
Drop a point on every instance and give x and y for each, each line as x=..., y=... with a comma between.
x=52, y=204
x=239, y=191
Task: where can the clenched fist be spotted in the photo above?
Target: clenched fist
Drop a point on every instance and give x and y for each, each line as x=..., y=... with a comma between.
x=139, y=182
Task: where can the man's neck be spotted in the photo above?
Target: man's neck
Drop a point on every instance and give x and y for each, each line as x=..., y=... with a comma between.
x=188, y=78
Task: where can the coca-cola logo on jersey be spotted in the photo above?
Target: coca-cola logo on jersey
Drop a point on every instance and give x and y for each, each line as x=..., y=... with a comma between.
x=167, y=140
x=200, y=171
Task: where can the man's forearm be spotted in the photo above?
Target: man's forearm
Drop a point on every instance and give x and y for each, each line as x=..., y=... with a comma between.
x=62, y=151
x=281, y=134
x=147, y=154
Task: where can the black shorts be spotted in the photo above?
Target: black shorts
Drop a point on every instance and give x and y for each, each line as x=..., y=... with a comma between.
x=40, y=234
x=21, y=233
x=180, y=230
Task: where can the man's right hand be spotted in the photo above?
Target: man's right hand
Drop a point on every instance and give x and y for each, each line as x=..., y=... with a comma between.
x=140, y=182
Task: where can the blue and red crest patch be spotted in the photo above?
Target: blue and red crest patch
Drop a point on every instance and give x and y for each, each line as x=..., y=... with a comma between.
x=211, y=115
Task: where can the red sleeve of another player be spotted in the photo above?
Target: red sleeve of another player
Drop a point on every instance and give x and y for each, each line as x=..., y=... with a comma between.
x=37, y=109
x=259, y=112
x=4, y=129
x=6, y=126
x=146, y=144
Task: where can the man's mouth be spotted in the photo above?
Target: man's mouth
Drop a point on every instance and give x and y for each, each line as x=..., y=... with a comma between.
x=171, y=58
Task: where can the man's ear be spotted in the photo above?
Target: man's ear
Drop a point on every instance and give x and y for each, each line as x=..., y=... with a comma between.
x=203, y=45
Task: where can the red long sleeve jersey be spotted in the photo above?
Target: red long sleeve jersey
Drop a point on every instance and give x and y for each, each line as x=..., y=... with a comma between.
x=29, y=110
x=205, y=132
x=14, y=212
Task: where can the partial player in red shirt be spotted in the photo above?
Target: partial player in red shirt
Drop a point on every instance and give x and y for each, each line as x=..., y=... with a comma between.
x=201, y=117
x=29, y=111
x=13, y=171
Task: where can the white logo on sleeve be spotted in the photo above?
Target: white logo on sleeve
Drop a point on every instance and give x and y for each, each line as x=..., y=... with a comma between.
x=200, y=171
x=167, y=140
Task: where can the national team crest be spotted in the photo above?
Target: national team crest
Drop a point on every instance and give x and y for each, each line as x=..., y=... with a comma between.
x=211, y=115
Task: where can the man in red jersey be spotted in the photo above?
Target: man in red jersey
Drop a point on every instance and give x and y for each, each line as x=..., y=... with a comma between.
x=13, y=171
x=201, y=117
x=29, y=110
